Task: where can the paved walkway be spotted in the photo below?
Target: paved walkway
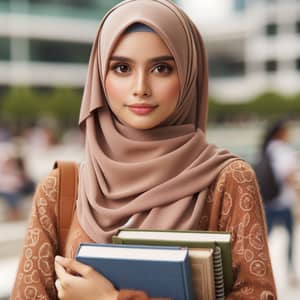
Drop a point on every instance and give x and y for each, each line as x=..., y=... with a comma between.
x=11, y=241
x=278, y=249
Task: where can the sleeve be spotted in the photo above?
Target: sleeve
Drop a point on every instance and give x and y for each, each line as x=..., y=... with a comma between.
x=136, y=295
x=35, y=276
x=241, y=213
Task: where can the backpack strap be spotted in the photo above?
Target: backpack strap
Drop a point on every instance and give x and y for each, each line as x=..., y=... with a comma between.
x=67, y=194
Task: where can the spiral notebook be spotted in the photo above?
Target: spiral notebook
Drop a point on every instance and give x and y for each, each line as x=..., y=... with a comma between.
x=218, y=243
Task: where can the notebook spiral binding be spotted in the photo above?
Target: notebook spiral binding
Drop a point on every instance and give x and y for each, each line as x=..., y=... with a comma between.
x=219, y=275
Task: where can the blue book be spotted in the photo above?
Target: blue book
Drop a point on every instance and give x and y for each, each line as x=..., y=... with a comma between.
x=158, y=271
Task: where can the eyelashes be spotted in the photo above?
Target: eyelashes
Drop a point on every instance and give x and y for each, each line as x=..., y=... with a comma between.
x=163, y=68
x=120, y=68
x=123, y=68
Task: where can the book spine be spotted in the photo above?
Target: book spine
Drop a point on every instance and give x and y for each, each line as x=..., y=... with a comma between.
x=116, y=240
x=219, y=274
x=187, y=278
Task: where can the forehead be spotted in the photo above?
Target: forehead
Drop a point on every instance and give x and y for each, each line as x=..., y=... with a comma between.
x=141, y=44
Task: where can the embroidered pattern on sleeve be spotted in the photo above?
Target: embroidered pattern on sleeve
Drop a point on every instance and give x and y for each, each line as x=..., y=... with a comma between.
x=242, y=215
x=35, y=277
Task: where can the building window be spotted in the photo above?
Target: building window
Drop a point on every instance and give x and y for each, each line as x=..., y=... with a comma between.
x=76, y=3
x=86, y=4
x=298, y=27
x=5, y=48
x=239, y=5
x=82, y=3
x=4, y=4
x=271, y=66
x=298, y=64
x=225, y=67
x=271, y=29
x=57, y=51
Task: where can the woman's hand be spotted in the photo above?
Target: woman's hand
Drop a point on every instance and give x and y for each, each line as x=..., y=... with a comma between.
x=88, y=284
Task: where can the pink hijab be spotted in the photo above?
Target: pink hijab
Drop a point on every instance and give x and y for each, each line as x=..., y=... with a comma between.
x=155, y=178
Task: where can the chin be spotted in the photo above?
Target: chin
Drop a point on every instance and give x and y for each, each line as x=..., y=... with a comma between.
x=141, y=126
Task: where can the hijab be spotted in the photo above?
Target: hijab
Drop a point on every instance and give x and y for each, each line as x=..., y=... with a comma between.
x=154, y=178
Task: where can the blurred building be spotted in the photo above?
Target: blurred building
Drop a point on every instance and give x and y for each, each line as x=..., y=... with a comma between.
x=46, y=43
x=255, y=49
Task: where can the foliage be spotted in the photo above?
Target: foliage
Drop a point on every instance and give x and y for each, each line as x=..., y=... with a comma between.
x=265, y=106
x=24, y=106
x=64, y=104
x=20, y=104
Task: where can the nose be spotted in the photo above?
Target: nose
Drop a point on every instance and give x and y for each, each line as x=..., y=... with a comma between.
x=141, y=86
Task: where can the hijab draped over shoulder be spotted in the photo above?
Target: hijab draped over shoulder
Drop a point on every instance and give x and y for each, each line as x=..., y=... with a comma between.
x=154, y=178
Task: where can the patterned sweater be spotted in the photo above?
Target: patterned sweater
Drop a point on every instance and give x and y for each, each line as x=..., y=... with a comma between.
x=233, y=204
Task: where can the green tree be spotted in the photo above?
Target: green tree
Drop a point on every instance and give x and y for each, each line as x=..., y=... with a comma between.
x=21, y=105
x=64, y=104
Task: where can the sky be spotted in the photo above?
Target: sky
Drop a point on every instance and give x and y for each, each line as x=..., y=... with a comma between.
x=207, y=10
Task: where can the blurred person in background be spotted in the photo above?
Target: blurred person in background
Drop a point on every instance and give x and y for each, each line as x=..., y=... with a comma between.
x=14, y=186
x=4, y=134
x=40, y=137
x=284, y=163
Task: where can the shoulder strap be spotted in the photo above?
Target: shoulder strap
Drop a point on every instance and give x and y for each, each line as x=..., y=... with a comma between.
x=67, y=193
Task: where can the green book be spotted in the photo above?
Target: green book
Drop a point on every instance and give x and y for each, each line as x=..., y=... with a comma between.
x=189, y=238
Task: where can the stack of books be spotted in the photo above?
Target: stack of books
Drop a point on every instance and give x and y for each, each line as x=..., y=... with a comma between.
x=182, y=265
x=159, y=271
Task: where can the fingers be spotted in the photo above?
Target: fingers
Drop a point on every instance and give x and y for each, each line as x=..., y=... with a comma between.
x=85, y=286
x=61, y=272
x=62, y=283
x=74, y=266
x=59, y=288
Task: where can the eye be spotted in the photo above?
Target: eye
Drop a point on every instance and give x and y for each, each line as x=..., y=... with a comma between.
x=120, y=68
x=163, y=68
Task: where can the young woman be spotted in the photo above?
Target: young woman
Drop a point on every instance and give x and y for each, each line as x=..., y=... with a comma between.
x=147, y=162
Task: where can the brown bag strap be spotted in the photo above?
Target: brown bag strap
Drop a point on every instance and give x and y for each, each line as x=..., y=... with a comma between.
x=67, y=194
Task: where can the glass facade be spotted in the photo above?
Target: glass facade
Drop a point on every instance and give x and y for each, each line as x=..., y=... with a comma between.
x=226, y=67
x=59, y=52
x=93, y=9
x=4, y=48
x=298, y=64
x=271, y=29
x=239, y=5
x=298, y=27
x=18, y=48
x=271, y=66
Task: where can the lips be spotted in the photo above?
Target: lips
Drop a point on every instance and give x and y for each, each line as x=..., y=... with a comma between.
x=142, y=109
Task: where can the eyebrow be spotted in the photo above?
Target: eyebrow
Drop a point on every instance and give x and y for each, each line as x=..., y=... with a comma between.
x=155, y=59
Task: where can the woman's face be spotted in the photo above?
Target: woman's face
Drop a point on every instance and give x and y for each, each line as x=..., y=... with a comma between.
x=142, y=83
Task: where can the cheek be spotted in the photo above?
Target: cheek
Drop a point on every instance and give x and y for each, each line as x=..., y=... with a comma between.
x=115, y=89
x=169, y=91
